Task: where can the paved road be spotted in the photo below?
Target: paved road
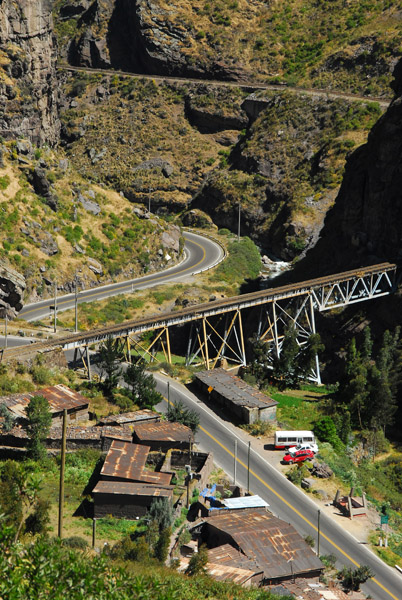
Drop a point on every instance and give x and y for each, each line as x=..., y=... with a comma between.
x=286, y=500
x=201, y=253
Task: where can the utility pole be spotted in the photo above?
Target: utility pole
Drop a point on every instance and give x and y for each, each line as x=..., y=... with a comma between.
x=62, y=465
x=55, y=305
x=238, y=226
x=235, y=462
x=93, y=532
x=248, y=468
x=318, y=533
x=5, y=331
x=168, y=395
x=149, y=199
x=76, y=307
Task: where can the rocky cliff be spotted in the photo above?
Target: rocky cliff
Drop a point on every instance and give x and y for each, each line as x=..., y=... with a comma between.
x=365, y=224
x=28, y=85
x=291, y=41
x=12, y=286
x=285, y=170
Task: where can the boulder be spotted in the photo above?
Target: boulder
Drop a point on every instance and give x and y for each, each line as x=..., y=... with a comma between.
x=321, y=470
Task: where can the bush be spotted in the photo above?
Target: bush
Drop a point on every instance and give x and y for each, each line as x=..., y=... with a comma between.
x=38, y=521
x=75, y=541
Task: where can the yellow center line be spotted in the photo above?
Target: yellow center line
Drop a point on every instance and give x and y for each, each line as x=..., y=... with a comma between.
x=99, y=291
x=271, y=489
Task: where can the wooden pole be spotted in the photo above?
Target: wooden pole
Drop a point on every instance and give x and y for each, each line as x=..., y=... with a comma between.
x=55, y=305
x=62, y=465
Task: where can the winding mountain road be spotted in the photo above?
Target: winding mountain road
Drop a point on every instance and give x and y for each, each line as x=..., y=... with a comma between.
x=201, y=253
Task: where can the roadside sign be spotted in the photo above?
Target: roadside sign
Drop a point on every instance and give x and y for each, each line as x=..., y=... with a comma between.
x=384, y=519
x=210, y=389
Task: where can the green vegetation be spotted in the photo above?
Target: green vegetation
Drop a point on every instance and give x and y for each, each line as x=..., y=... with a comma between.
x=39, y=421
x=243, y=262
x=179, y=413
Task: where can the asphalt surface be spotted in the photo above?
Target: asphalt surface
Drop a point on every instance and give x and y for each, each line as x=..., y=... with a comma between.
x=286, y=500
x=201, y=253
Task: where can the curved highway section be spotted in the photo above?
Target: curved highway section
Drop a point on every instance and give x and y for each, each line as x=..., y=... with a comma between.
x=201, y=253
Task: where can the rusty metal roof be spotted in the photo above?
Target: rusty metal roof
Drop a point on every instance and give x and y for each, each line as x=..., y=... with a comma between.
x=132, y=489
x=222, y=572
x=235, y=389
x=269, y=541
x=127, y=461
x=163, y=432
x=130, y=417
x=59, y=397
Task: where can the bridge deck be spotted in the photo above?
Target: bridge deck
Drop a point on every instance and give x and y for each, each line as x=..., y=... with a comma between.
x=199, y=311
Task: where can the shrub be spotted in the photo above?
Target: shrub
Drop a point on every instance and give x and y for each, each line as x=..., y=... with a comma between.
x=75, y=541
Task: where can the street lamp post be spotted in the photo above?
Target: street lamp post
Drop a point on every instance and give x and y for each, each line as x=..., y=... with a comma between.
x=238, y=225
x=318, y=532
x=235, y=462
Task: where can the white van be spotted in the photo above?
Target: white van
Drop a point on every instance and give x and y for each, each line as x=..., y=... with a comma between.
x=287, y=439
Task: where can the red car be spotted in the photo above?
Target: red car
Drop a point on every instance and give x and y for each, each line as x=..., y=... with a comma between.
x=299, y=456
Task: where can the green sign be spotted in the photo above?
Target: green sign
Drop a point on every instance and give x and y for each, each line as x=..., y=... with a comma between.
x=384, y=519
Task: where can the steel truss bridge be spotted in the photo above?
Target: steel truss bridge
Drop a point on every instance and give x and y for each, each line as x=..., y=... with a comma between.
x=217, y=329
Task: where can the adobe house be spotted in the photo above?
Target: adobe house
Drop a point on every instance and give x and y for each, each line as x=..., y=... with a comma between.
x=239, y=398
x=253, y=539
x=163, y=436
x=129, y=419
x=59, y=397
x=125, y=462
x=126, y=499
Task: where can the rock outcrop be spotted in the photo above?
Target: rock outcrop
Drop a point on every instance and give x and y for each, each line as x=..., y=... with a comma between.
x=28, y=86
x=365, y=224
x=12, y=286
x=285, y=170
x=141, y=37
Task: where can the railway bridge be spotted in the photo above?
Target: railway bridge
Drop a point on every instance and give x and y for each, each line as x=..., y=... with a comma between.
x=217, y=329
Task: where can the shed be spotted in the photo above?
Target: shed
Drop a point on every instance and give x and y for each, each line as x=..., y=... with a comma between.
x=243, y=401
x=125, y=462
x=125, y=499
x=59, y=397
x=163, y=436
x=273, y=546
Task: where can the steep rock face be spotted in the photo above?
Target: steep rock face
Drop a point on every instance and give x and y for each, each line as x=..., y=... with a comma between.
x=12, y=286
x=285, y=171
x=28, y=87
x=140, y=36
x=365, y=224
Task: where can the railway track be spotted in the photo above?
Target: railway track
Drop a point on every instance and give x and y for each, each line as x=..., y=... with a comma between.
x=194, y=313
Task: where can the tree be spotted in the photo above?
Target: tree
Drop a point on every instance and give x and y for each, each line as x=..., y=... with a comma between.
x=162, y=511
x=284, y=365
x=352, y=579
x=7, y=422
x=179, y=413
x=108, y=362
x=162, y=545
x=325, y=430
x=141, y=385
x=198, y=562
x=39, y=421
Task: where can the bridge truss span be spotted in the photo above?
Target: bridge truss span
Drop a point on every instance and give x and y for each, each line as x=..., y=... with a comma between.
x=219, y=330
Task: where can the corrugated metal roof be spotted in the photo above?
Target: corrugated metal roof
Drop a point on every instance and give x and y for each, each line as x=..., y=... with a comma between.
x=163, y=432
x=59, y=397
x=127, y=461
x=132, y=489
x=223, y=572
x=235, y=389
x=245, y=502
x=130, y=417
x=271, y=542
